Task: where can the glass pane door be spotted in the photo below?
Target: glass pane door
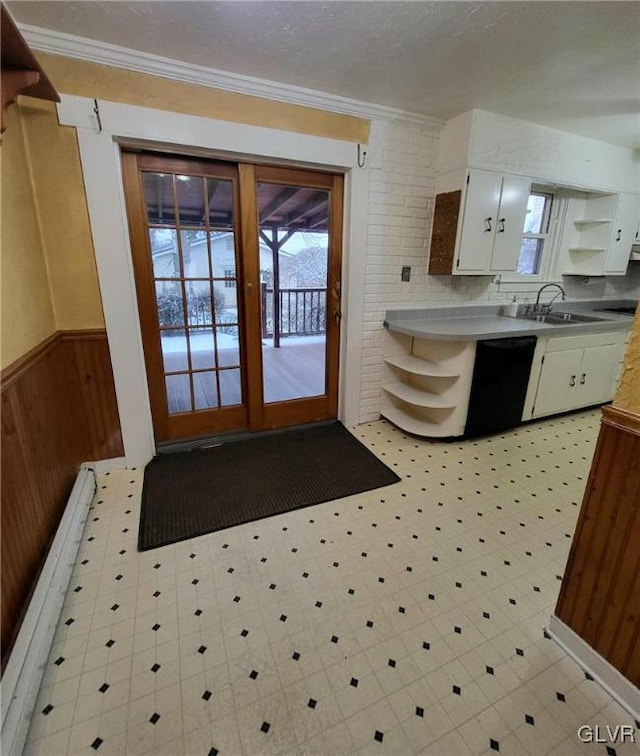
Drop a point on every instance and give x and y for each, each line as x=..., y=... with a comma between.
x=294, y=255
x=238, y=279
x=192, y=245
x=183, y=217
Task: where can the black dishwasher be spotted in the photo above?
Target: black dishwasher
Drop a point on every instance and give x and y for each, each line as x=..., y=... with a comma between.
x=499, y=385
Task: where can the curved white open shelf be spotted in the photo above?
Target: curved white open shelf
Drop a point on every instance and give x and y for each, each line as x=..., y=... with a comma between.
x=426, y=384
x=418, y=397
x=416, y=425
x=418, y=366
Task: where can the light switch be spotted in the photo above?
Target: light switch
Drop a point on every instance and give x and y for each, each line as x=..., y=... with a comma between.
x=406, y=273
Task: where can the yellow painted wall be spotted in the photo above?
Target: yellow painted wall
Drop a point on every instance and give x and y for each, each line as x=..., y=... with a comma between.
x=62, y=205
x=26, y=312
x=628, y=393
x=85, y=79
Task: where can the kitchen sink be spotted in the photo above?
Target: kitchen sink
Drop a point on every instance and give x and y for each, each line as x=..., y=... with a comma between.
x=561, y=318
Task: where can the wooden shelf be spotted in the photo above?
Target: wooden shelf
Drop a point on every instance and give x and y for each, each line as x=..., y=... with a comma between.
x=418, y=366
x=417, y=397
x=21, y=72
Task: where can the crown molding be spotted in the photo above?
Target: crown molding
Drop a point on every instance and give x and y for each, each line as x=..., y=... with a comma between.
x=94, y=51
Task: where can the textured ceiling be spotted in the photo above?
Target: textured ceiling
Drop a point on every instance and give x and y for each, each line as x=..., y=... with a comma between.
x=570, y=65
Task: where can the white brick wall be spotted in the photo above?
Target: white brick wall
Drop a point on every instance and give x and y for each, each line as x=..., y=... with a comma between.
x=401, y=195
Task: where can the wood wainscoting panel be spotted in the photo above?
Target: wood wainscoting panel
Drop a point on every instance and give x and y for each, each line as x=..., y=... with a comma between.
x=600, y=594
x=58, y=410
x=92, y=379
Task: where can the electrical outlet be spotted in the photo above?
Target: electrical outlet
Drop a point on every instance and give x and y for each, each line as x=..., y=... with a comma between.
x=406, y=273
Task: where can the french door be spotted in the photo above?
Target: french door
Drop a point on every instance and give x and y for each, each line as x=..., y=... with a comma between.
x=237, y=270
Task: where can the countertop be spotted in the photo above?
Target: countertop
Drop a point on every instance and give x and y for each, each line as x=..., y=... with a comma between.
x=476, y=322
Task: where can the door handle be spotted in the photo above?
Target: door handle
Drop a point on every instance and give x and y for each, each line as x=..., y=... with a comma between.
x=487, y=224
x=572, y=380
x=619, y=235
x=583, y=379
x=501, y=228
x=337, y=314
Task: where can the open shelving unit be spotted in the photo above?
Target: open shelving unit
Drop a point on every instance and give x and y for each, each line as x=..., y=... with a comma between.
x=426, y=384
x=588, y=234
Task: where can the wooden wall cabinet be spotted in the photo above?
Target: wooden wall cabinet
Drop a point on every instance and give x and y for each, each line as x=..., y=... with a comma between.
x=21, y=72
x=477, y=230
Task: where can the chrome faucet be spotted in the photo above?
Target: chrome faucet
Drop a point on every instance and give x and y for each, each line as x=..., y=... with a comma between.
x=547, y=308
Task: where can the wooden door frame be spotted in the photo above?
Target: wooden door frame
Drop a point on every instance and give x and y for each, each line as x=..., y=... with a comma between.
x=175, y=132
x=253, y=414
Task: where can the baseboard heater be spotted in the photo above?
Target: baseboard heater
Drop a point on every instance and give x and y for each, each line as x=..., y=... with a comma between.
x=25, y=668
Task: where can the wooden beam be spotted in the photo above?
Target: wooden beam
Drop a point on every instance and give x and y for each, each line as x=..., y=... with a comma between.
x=277, y=202
x=320, y=199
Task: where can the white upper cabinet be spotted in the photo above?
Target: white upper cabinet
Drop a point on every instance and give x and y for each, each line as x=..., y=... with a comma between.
x=478, y=231
x=624, y=234
x=479, y=220
x=492, y=223
x=598, y=233
x=478, y=228
x=511, y=216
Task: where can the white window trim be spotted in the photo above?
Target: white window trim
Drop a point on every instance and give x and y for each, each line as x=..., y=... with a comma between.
x=100, y=156
x=550, y=250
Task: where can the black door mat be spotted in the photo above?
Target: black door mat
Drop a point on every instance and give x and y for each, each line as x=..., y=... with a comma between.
x=188, y=494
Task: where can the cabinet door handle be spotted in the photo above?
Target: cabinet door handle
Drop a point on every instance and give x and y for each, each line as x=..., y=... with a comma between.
x=572, y=380
x=583, y=379
x=619, y=235
x=487, y=224
x=501, y=228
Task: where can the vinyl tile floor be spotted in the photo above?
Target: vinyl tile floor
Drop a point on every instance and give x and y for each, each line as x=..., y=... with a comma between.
x=409, y=619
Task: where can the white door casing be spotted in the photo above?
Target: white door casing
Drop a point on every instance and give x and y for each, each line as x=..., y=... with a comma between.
x=99, y=144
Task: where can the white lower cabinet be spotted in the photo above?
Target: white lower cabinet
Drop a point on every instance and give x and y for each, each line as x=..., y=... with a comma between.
x=576, y=371
x=426, y=384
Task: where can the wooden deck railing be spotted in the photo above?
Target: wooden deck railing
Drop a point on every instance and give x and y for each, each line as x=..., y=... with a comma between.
x=295, y=312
